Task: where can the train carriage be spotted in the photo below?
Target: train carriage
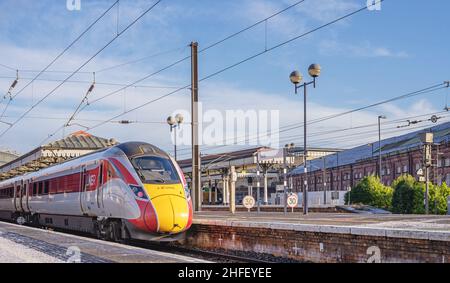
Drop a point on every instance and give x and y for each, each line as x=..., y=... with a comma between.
x=130, y=191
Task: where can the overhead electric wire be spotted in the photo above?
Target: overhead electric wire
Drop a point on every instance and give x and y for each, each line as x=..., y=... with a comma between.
x=7, y=67
x=322, y=119
x=188, y=57
x=97, y=83
x=84, y=64
x=240, y=62
x=107, y=68
x=200, y=51
x=349, y=135
x=390, y=122
x=390, y=131
x=67, y=48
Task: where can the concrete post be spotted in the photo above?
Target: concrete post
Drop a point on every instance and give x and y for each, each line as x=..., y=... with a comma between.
x=224, y=190
x=265, y=187
x=215, y=191
x=210, y=192
x=232, y=184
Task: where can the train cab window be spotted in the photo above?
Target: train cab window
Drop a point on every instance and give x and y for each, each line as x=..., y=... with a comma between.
x=155, y=170
x=46, y=187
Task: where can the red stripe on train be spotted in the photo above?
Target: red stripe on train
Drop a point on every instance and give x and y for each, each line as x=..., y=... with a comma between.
x=124, y=171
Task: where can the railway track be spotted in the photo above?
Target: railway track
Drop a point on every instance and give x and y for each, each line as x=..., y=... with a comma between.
x=217, y=257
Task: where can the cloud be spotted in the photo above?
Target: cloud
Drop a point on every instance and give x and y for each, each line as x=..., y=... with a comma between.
x=364, y=49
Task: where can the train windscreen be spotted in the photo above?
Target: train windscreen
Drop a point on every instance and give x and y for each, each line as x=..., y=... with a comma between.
x=155, y=170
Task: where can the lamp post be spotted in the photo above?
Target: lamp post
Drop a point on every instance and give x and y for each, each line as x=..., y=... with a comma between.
x=296, y=78
x=174, y=123
x=379, y=145
x=286, y=153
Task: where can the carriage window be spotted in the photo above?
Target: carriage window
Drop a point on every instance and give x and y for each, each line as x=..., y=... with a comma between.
x=40, y=188
x=34, y=189
x=46, y=187
x=155, y=170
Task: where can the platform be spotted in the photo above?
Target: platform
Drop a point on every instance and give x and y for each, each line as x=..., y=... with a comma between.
x=20, y=244
x=341, y=221
x=323, y=237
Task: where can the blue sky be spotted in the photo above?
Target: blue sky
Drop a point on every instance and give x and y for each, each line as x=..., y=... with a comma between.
x=369, y=57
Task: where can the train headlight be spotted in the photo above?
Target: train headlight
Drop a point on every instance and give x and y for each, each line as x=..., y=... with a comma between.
x=187, y=192
x=138, y=192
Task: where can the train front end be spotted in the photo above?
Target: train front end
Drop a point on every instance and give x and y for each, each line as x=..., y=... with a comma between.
x=164, y=198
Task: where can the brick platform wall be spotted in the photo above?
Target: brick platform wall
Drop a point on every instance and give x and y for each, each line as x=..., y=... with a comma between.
x=276, y=209
x=318, y=247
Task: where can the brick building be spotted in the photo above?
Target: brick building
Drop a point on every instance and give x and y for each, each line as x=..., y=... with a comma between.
x=400, y=155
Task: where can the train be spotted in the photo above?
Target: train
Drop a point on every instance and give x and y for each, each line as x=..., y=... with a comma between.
x=131, y=191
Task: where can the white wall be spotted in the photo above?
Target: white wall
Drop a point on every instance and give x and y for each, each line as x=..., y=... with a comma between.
x=315, y=199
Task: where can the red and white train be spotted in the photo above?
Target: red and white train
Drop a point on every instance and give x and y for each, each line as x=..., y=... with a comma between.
x=129, y=191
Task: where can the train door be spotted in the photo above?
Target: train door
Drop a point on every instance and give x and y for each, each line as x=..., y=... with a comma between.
x=26, y=195
x=83, y=182
x=100, y=186
x=18, y=196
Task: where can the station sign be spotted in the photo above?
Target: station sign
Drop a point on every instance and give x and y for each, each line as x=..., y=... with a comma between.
x=292, y=200
x=249, y=202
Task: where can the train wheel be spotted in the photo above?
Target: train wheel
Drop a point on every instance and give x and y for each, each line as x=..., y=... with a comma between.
x=114, y=231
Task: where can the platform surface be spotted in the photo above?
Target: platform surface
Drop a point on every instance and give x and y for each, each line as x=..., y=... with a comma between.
x=403, y=226
x=20, y=244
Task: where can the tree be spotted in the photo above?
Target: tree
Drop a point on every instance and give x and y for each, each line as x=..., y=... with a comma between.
x=408, y=196
x=438, y=198
x=370, y=191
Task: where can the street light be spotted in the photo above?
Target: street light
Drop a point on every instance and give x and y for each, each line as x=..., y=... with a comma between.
x=174, y=123
x=296, y=78
x=379, y=144
x=286, y=152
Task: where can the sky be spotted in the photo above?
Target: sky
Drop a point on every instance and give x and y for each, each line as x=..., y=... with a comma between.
x=369, y=57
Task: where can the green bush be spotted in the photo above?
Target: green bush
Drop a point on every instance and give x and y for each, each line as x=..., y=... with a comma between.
x=405, y=197
x=408, y=196
x=438, y=199
x=370, y=191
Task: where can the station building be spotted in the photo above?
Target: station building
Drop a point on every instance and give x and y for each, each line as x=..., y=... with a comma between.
x=75, y=145
x=215, y=172
x=6, y=156
x=335, y=174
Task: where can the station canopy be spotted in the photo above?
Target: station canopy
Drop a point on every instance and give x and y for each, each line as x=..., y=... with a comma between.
x=73, y=146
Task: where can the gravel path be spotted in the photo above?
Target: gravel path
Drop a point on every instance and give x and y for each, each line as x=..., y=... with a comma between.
x=11, y=252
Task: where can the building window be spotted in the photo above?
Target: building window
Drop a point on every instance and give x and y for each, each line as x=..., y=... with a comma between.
x=399, y=169
x=447, y=179
x=447, y=162
x=388, y=171
x=405, y=169
x=418, y=166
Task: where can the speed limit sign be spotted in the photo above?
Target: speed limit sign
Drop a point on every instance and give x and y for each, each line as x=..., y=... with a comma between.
x=248, y=202
x=292, y=200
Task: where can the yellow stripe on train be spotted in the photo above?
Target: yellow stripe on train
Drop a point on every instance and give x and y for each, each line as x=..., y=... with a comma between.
x=171, y=206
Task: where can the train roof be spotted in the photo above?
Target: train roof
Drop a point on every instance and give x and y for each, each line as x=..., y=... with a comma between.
x=133, y=149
